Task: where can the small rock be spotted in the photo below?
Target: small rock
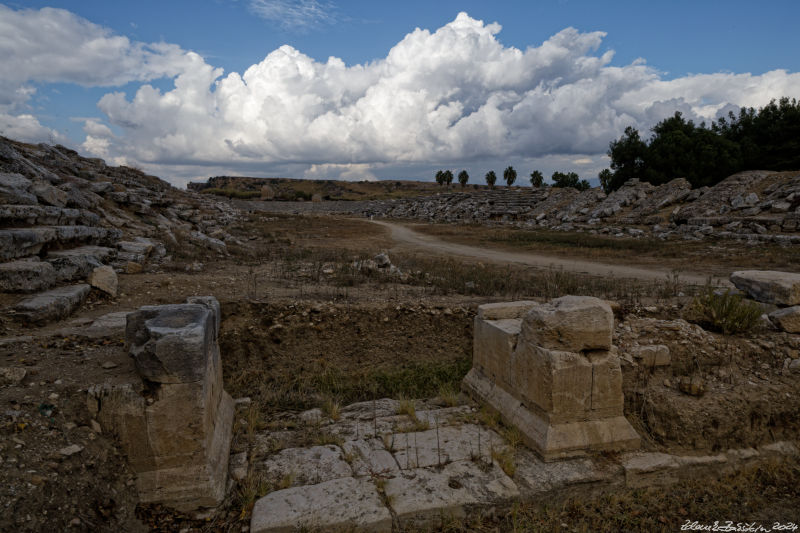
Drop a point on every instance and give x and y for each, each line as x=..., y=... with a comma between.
x=794, y=366
x=109, y=365
x=71, y=450
x=133, y=268
x=693, y=386
x=105, y=279
x=95, y=425
x=12, y=375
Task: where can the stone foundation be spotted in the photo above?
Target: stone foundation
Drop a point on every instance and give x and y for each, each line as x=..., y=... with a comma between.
x=175, y=424
x=551, y=371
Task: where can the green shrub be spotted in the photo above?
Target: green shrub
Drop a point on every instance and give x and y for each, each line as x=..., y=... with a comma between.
x=728, y=312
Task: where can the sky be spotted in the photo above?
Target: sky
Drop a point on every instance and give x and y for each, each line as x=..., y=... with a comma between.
x=364, y=90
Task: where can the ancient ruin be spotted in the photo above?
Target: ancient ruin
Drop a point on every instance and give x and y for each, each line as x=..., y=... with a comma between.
x=175, y=423
x=552, y=372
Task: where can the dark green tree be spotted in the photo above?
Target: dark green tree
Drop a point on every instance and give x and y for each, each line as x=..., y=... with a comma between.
x=440, y=177
x=628, y=154
x=491, y=179
x=605, y=176
x=537, y=179
x=564, y=180
x=510, y=175
x=463, y=178
x=448, y=177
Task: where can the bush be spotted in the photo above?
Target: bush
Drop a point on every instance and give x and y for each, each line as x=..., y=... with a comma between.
x=728, y=312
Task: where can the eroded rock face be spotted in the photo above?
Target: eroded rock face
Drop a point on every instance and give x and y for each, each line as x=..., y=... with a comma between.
x=554, y=374
x=179, y=440
x=769, y=286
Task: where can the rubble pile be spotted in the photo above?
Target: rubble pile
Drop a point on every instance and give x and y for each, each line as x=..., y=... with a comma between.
x=753, y=206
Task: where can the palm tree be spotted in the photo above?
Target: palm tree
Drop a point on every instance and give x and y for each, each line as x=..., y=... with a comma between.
x=491, y=178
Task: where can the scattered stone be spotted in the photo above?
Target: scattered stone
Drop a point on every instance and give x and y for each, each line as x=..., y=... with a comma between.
x=12, y=375
x=237, y=466
x=108, y=365
x=105, y=279
x=71, y=450
x=693, y=386
x=132, y=267
x=332, y=505
x=787, y=319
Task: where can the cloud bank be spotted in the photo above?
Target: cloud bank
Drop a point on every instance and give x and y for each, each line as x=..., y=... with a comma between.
x=453, y=96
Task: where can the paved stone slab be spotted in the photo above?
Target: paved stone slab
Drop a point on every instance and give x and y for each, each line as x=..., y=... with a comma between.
x=307, y=466
x=339, y=503
x=536, y=477
x=769, y=286
x=428, y=496
x=369, y=457
x=455, y=443
x=52, y=305
x=648, y=469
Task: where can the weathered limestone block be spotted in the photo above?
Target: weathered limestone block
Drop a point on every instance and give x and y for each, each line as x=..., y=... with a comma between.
x=52, y=305
x=26, y=276
x=178, y=440
x=570, y=323
x=104, y=278
x=788, y=319
x=15, y=189
x=652, y=355
x=505, y=310
x=558, y=379
x=495, y=341
x=769, y=286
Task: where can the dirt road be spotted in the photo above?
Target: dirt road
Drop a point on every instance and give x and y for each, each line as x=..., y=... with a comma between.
x=406, y=239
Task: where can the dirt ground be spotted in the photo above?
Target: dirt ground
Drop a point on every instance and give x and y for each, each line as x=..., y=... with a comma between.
x=307, y=319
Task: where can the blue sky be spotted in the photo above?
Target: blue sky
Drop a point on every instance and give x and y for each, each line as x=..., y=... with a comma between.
x=540, y=89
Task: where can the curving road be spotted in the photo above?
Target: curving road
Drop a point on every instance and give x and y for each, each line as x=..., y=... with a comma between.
x=406, y=238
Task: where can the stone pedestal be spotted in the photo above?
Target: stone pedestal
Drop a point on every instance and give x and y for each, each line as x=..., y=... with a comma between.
x=551, y=371
x=175, y=425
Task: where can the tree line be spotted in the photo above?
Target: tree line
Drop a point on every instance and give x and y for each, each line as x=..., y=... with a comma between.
x=560, y=179
x=763, y=139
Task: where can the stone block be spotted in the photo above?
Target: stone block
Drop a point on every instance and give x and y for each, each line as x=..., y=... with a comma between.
x=307, y=466
x=369, y=457
x=26, y=276
x=178, y=441
x=649, y=469
x=78, y=263
x=15, y=189
x=505, y=310
x=495, y=341
x=553, y=440
x=172, y=343
x=51, y=305
x=788, y=319
x=431, y=497
x=345, y=503
x=104, y=278
x=652, y=356
x=47, y=194
x=769, y=286
x=570, y=323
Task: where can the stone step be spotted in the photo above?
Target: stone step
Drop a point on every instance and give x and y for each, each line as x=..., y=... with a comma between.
x=78, y=263
x=45, y=215
x=55, y=304
x=22, y=242
x=27, y=275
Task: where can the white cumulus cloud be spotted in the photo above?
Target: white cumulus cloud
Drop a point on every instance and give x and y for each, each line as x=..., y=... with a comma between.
x=455, y=96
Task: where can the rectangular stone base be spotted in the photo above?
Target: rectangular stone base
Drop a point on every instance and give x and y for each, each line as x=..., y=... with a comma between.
x=199, y=483
x=553, y=441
